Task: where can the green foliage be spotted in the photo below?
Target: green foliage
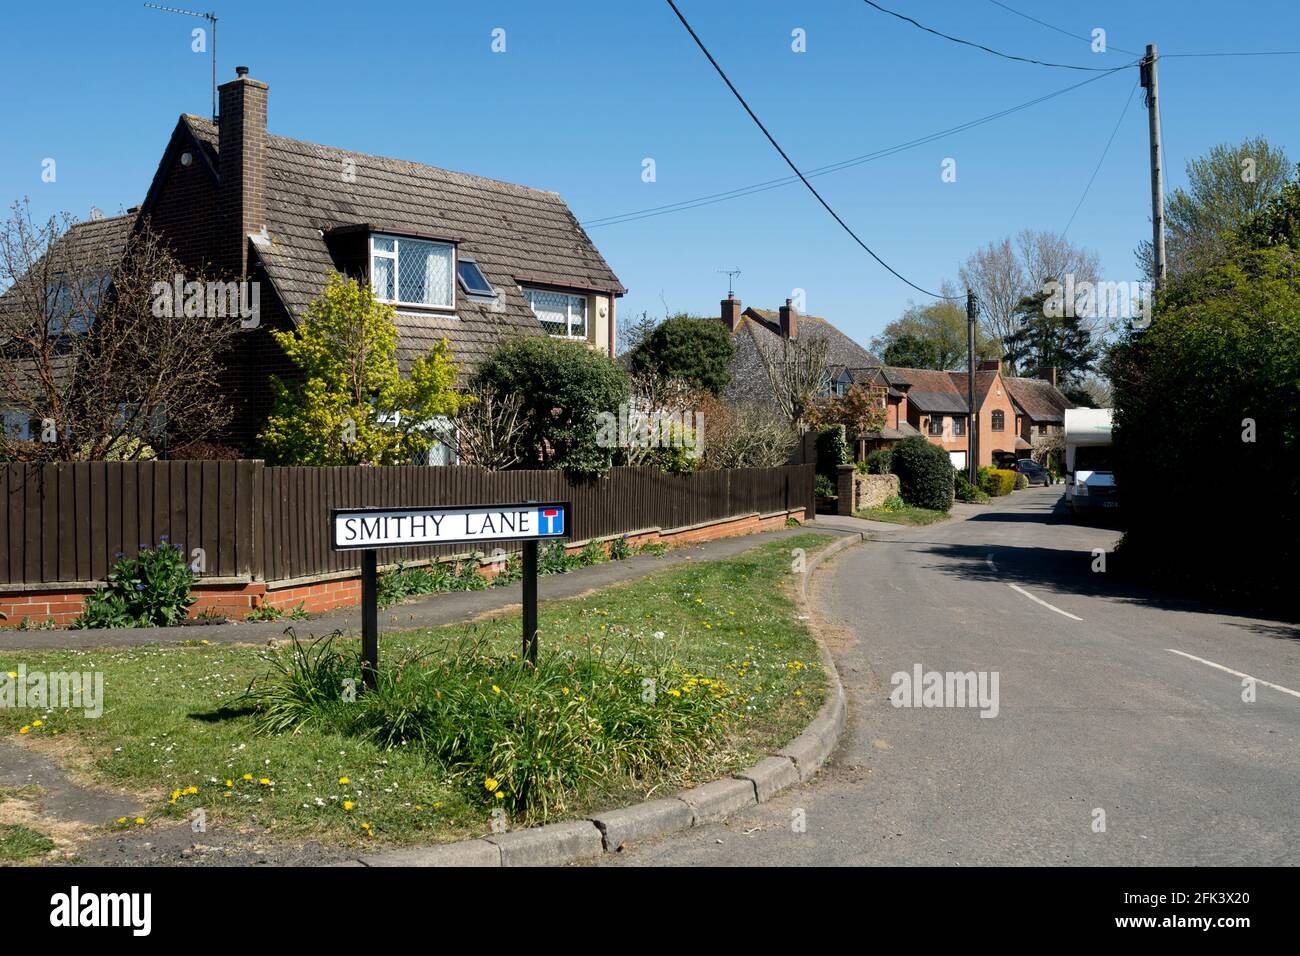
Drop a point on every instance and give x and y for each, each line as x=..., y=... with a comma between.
x=933, y=336
x=1215, y=378
x=1277, y=223
x=1022, y=482
x=149, y=590
x=564, y=386
x=1043, y=341
x=348, y=403
x=924, y=474
x=524, y=738
x=19, y=843
x=593, y=552
x=996, y=482
x=694, y=350
x=823, y=487
x=963, y=490
x=893, y=503
x=880, y=461
x=619, y=549
x=832, y=451
x=1218, y=199
x=267, y=612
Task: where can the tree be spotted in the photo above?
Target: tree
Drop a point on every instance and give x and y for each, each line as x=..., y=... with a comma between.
x=1042, y=341
x=1004, y=272
x=633, y=330
x=564, y=387
x=933, y=336
x=89, y=368
x=349, y=404
x=859, y=410
x=797, y=373
x=1277, y=223
x=489, y=431
x=694, y=350
x=1225, y=188
x=745, y=435
x=910, y=351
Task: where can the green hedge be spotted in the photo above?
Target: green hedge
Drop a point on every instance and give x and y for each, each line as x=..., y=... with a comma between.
x=998, y=481
x=924, y=474
x=880, y=462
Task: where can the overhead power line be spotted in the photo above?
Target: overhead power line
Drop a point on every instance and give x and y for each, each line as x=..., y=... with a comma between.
x=1118, y=123
x=741, y=191
x=981, y=46
x=789, y=162
x=1044, y=23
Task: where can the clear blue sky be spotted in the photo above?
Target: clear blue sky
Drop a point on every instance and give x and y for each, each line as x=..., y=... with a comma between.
x=586, y=90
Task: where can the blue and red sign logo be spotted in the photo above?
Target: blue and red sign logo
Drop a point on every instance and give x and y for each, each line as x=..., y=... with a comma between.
x=550, y=520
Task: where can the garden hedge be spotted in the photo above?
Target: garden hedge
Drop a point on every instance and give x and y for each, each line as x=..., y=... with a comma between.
x=998, y=481
x=924, y=474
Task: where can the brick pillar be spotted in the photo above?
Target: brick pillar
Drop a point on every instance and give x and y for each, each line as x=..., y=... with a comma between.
x=845, y=490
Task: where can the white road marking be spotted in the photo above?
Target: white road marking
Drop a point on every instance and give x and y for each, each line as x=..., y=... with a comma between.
x=1229, y=670
x=1038, y=600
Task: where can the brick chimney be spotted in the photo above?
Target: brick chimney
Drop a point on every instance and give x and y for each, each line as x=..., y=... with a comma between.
x=731, y=313
x=241, y=194
x=1048, y=374
x=991, y=365
x=789, y=320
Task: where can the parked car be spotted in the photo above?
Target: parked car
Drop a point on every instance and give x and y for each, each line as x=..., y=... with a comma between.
x=1034, y=473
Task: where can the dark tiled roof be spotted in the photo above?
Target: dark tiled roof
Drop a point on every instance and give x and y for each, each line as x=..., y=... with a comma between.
x=513, y=232
x=759, y=335
x=929, y=390
x=1038, y=398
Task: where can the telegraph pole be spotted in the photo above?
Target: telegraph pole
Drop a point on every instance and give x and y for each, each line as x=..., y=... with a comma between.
x=1151, y=83
x=972, y=432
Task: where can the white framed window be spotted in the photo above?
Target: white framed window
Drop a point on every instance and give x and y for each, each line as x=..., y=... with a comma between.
x=561, y=314
x=419, y=273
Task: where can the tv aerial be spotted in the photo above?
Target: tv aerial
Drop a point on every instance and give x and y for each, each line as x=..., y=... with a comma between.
x=212, y=21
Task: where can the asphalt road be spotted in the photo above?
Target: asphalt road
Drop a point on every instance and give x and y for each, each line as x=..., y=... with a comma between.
x=1095, y=713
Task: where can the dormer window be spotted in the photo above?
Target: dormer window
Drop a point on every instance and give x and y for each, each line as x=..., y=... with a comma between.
x=411, y=272
x=472, y=279
x=561, y=314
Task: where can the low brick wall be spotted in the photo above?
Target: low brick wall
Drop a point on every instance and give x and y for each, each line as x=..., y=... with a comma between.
x=234, y=599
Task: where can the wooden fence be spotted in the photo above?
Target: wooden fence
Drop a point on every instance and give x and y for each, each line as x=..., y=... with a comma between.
x=68, y=522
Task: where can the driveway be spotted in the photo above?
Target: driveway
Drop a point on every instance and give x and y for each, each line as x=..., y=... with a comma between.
x=1121, y=735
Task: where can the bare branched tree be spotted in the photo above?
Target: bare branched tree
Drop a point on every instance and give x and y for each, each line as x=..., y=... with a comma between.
x=745, y=435
x=87, y=370
x=797, y=372
x=655, y=404
x=490, y=431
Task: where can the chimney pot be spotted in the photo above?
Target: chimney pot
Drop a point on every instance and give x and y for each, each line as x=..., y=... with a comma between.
x=241, y=71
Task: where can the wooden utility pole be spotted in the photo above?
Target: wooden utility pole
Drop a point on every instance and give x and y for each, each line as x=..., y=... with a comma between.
x=972, y=429
x=1151, y=83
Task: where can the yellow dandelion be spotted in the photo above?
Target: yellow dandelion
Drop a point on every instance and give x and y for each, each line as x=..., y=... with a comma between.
x=248, y=776
x=348, y=804
x=491, y=783
x=343, y=781
x=121, y=820
x=496, y=689
x=139, y=821
x=265, y=781
x=499, y=795
x=24, y=730
x=229, y=784
x=38, y=723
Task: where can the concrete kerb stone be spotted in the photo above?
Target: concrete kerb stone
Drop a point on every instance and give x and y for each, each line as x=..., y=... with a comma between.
x=582, y=841
x=654, y=818
x=555, y=844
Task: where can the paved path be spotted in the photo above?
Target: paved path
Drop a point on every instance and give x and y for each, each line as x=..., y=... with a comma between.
x=1109, y=698
x=430, y=611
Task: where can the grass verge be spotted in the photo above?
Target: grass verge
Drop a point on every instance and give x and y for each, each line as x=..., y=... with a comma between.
x=18, y=843
x=903, y=515
x=462, y=719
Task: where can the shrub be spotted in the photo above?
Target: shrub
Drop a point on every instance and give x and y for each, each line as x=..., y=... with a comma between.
x=1022, y=482
x=697, y=351
x=998, y=481
x=893, y=503
x=963, y=490
x=564, y=387
x=619, y=549
x=823, y=487
x=593, y=552
x=204, y=451
x=880, y=461
x=149, y=590
x=924, y=474
x=832, y=451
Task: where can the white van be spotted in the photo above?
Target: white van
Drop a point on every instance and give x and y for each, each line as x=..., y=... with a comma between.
x=1089, y=478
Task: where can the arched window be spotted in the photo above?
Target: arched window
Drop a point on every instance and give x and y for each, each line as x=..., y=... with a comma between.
x=998, y=420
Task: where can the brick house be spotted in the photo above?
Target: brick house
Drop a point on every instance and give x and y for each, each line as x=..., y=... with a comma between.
x=1040, y=405
x=460, y=257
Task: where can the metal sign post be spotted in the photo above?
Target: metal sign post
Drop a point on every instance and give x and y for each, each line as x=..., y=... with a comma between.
x=369, y=529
